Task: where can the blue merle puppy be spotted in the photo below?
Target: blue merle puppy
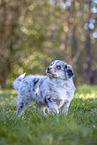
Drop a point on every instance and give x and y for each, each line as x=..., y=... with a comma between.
x=53, y=91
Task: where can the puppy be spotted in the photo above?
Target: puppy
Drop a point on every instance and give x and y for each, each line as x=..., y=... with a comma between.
x=54, y=91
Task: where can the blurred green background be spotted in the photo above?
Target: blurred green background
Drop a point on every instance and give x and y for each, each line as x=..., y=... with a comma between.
x=33, y=33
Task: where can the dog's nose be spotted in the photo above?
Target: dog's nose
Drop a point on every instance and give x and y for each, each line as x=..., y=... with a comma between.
x=49, y=68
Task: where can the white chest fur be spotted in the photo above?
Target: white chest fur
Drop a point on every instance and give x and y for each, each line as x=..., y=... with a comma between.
x=62, y=91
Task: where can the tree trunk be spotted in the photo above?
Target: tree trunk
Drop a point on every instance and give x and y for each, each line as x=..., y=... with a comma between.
x=89, y=73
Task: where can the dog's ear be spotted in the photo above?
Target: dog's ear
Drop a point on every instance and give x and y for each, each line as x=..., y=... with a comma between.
x=70, y=71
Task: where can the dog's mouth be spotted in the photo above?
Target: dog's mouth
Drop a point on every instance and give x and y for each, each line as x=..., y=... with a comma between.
x=49, y=73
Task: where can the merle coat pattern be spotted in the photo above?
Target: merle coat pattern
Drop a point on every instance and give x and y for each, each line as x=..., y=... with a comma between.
x=54, y=91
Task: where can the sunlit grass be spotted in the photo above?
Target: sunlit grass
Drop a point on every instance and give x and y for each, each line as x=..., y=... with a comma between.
x=8, y=92
x=79, y=127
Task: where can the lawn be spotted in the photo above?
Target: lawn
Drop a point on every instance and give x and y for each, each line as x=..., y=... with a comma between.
x=79, y=127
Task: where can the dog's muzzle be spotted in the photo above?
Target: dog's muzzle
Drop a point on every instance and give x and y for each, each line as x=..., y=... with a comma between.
x=49, y=72
x=48, y=69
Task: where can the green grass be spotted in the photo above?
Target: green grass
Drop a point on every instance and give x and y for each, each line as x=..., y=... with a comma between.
x=79, y=127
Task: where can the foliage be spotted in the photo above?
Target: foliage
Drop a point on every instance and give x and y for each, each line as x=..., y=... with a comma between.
x=37, y=32
x=78, y=127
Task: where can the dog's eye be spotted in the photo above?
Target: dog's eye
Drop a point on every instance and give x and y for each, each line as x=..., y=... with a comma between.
x=58, y=67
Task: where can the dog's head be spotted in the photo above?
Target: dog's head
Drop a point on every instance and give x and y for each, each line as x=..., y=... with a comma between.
x=60, y=69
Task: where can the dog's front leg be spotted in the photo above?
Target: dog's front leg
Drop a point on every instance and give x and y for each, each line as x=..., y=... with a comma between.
x=65, y=107
x=41, y=108
x=53, y=107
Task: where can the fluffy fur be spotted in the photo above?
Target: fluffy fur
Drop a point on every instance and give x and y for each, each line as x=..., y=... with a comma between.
x=54, y=91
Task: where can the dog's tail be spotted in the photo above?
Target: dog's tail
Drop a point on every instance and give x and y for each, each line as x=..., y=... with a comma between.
x=18, y=81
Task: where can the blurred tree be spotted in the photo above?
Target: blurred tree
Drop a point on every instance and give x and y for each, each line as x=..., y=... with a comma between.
x=33, y=33
x=65, y=31
x=10, y=35
x=85, y=24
